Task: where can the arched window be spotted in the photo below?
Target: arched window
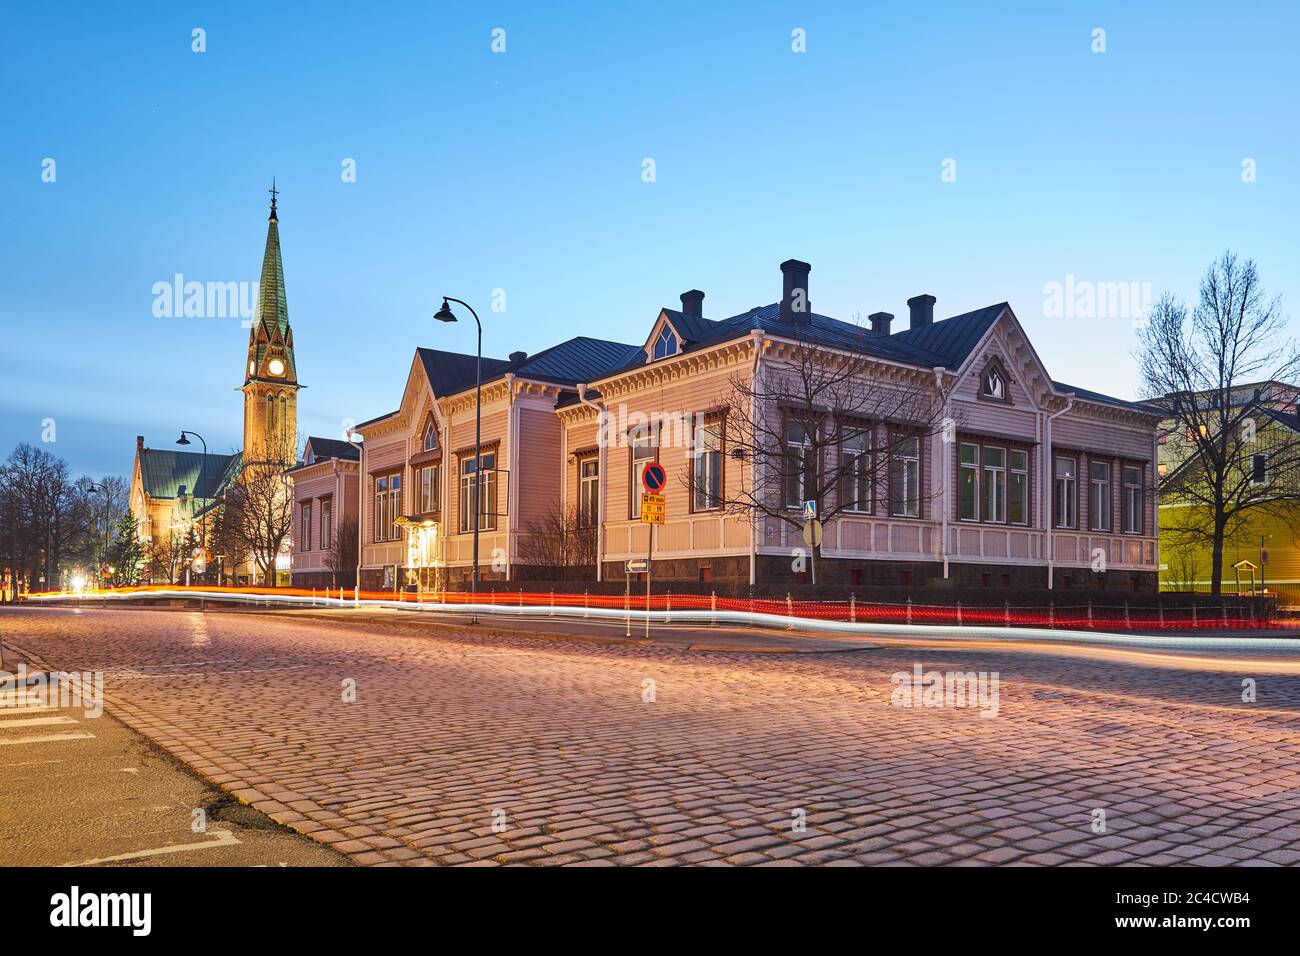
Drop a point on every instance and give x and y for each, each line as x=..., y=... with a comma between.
x=666, y=344
x=270, y=415
x=430, y=437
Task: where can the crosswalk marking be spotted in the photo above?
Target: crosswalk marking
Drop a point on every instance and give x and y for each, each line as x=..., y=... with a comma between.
x=35, y=721
x=43, y=738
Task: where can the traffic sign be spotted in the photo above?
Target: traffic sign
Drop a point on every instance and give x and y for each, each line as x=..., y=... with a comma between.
x=637, y=565
x=812, y=533
x=653, y=508
x=810, y=511
x=653, y=477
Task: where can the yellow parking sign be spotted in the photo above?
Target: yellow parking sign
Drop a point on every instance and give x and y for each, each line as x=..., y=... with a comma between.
x=653, y=508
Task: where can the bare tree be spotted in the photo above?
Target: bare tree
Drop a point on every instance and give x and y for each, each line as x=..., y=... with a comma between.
x=559, y=540
x=342, y=557
x=259, y=508
x=1232, y=452
x=834, y=426
x=167, y=556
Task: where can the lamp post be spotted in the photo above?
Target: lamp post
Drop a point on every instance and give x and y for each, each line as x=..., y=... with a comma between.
x=103, y=487
x=203, y=525
x=445, y=315
x=361, y=502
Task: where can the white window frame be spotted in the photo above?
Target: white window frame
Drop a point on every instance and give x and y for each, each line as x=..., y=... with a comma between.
x=1134, y=510
x=994, y=490
x=1012, y=473
x=1060, y=486
x=1099, y=494
x=907, y=466
x=706, y=469
x=588, y=492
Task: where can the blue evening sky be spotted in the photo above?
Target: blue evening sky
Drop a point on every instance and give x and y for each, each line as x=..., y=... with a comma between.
x=522, y=171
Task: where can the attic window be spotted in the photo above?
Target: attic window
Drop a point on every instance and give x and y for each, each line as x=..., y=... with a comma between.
x=430, y=438
x=666, y=344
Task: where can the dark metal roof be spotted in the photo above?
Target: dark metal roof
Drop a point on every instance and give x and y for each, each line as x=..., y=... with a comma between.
x=452, y=372
x=952, y=339
x=577, y=360
x=163, y=472
x=1089, y=395
x=325, y=448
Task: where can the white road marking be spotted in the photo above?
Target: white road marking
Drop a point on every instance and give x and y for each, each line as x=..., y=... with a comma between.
x=43, y=738
x=223, y=838
x=35, y=722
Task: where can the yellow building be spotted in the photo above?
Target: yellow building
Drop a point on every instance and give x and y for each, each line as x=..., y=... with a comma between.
x=1261, y=548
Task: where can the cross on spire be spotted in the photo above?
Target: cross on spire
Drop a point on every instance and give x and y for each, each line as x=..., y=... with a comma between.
x=274, y=193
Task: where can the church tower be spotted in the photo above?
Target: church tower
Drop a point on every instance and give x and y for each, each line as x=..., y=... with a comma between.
x=270, y=372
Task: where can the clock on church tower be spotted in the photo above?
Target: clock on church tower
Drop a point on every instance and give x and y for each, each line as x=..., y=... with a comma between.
x=271, y=381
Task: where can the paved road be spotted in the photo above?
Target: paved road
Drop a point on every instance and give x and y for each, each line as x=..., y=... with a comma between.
x=79, y=788
x=465, y=748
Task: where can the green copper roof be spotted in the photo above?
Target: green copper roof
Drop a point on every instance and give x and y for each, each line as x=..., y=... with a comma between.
x=270, y=332
x=163, y=472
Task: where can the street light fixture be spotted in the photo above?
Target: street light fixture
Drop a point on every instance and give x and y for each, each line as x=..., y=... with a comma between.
x=203, y=525
x=103, y=487
x=446, y=315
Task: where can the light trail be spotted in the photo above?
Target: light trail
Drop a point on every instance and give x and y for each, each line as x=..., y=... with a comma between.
x=986, y=636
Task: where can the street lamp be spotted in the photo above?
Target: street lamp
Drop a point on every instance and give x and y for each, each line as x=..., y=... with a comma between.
x=103, y=487
x=446, y=315
x=203, y=525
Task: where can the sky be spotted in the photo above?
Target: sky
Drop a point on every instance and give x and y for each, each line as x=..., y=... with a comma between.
x=976, y=152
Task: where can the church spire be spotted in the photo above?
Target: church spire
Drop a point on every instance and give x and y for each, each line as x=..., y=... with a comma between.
x=271, y=372
x=270, y=340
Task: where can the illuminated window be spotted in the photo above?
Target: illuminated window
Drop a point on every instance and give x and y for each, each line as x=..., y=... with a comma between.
x=588, y=492
x=1099, y=495
x=1065, y=487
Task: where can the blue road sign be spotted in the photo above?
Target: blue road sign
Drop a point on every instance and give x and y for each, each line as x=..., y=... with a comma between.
x=810, y=511
x=653, y=477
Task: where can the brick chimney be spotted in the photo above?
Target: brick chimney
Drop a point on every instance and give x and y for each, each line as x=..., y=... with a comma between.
x=693, y=303
x=139, y=443
x=922, y=307
x=880, y=322
x=796, y=306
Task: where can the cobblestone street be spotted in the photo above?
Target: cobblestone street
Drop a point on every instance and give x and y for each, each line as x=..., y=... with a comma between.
x=465, y=748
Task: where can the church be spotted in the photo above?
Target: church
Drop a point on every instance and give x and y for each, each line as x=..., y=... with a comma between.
x=188, y=504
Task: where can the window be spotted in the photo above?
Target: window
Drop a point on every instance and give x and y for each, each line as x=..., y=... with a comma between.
x=1132, y=478
x=994, y=385
x=381, y=508
x=487, y=520
x=1065, y=489
x=1018, y=488
x=905, y=478
x=968, y=483
x=1099, y=496
x=800, y=469
x=430, y=439
x=855, y=471
x=707, y=468
x=643, y=452
x=995, y=484
x=326, y=523
x=428, y=489
x=588, y=492
x=305, y=526
x=1259, y=469
x=666, y=344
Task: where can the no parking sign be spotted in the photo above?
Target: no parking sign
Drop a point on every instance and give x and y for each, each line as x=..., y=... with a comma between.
x=653, y=477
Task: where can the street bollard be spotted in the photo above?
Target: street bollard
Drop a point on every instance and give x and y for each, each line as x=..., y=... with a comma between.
x=1128, y=622
x=959, y=613
x=713, y=607
x=1194, y=625
x=668, y=607
x=1006, y=613
x=1051, y=613
x=1225, y=614
x=789, y=610
x=853, y=609
x=1160, y=608
x=586, y=608
x=909, y=610
x=552, y=602
x=1090, y=612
